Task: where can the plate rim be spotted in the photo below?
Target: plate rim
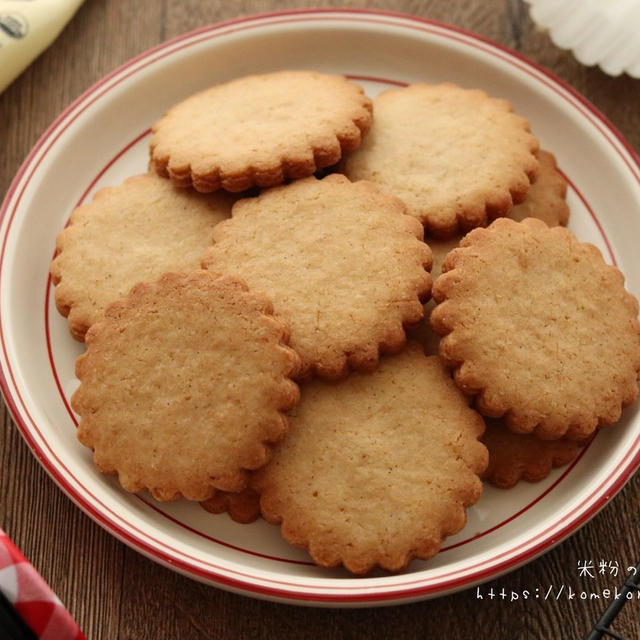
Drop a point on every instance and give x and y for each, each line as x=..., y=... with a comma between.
x=392, y=594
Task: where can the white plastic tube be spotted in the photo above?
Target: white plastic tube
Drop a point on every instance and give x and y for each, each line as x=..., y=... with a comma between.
x=27, y=27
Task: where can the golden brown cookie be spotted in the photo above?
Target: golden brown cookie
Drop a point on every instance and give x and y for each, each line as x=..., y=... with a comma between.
x=128, y=234
x=183, y=385
x=260, y=130
x=377, y=469
x=539, y=328
x=546, y=199
x=516, y=456
x=242, y=506
x=342, y=263
x=456, y=157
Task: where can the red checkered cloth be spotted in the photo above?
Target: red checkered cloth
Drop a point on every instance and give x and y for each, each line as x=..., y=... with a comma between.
x=31, y=596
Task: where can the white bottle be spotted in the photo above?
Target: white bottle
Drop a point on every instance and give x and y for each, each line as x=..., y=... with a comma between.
x=27, y=27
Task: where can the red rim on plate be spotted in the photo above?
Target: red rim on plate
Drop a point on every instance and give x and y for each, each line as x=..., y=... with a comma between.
x=406, y=587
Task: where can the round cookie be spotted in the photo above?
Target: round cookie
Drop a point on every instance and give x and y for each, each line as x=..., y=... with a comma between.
x=515, y=456
x=128, y=234
x=378, y=469
x=183, y=385
x=539, y=328
x=423, y=333
x=546, y=198
x=342, y=263
x=260, y=130
x=456, y=157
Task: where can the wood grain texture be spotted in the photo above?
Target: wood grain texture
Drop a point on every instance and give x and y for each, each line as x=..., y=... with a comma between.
x=114, y=592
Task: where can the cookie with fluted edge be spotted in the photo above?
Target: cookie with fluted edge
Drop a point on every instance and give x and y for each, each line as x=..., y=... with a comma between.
x=344, y=265
x=457, y=157
x=545, y=200
x=242, y=506
x=539, y=328
x=547, y=196
x=183, y=386
x=422, y=332
x=378, y=469
x=515, y=456
x=260, y=130
x=129, y=233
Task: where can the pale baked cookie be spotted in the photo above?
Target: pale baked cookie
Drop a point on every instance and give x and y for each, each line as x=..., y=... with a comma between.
x=378, y=469
x=457, y=157
x=260, y=130
x=515, y=456
x=183, y=385
x=539, y=328
x=546, y=199
x=342, y=263
x=129, y=233
x=242, y=506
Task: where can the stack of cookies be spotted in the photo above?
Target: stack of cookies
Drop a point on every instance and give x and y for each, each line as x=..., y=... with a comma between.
x=246, y=306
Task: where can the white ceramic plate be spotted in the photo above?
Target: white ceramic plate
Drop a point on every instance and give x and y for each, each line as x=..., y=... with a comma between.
x=102, y=138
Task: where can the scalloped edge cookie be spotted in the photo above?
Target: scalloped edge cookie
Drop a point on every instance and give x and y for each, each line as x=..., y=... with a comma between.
x=377, y=470
x=538, y=328
x=547, y=197
x=515, y=456
x=457, y=157
x=184, y=385
x=341, y=261
x=129, y=233
x=260, y=130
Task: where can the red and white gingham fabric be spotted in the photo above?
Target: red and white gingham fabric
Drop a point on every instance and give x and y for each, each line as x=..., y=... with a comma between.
x=32, y=598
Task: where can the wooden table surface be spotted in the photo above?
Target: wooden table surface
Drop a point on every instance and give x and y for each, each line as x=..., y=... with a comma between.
x=114, y=592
